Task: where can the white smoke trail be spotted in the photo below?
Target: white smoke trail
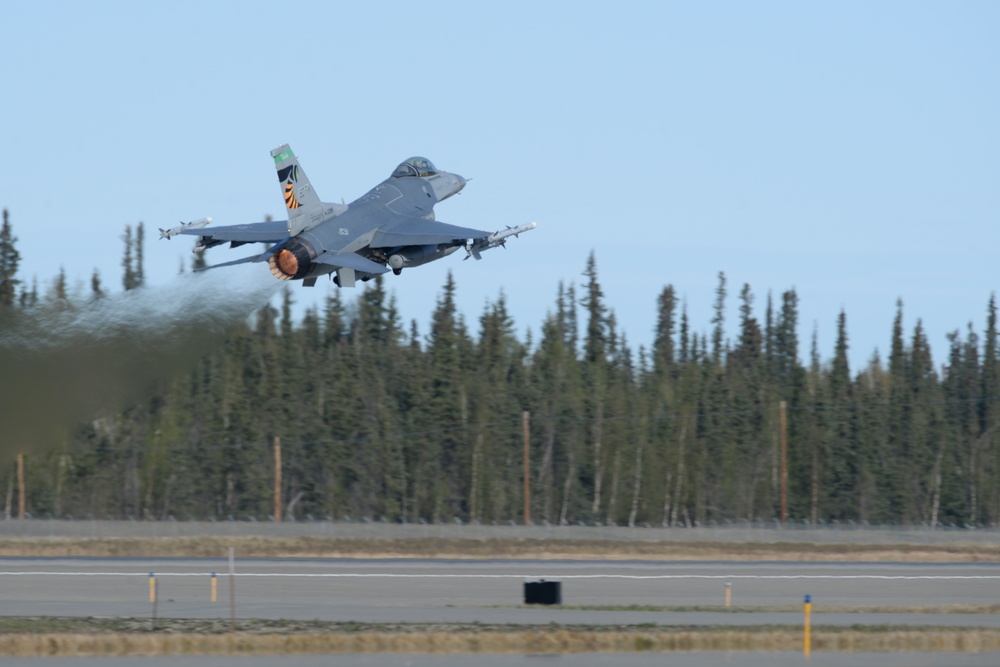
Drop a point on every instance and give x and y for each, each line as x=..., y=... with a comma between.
x=59, y=367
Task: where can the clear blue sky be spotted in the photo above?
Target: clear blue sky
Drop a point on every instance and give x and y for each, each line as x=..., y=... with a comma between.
x=848, y=150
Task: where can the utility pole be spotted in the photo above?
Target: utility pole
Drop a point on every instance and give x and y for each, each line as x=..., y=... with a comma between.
x=277, y=479
x=20, y=486
x=525, y=419
x=783, y=420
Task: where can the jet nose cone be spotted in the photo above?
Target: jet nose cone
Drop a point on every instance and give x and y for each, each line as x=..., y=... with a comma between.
x=447, y=184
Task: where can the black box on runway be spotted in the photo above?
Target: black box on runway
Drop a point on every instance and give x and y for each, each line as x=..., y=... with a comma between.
x=542, y=592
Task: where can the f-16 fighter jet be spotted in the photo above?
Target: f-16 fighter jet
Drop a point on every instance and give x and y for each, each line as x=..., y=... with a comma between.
x=389, y=229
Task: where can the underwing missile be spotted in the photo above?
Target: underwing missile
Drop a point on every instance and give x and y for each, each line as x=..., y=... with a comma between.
x=496, y=239
x=174, y=231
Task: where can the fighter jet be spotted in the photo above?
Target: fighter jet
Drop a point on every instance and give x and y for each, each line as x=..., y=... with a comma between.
x=390, y=228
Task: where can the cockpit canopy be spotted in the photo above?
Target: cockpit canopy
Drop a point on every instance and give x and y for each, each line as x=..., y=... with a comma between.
x=415, y=166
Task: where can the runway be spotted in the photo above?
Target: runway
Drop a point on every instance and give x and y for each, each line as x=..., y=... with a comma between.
x=490, y=591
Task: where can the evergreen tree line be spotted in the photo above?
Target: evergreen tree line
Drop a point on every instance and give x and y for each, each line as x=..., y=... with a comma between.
x=377, y=420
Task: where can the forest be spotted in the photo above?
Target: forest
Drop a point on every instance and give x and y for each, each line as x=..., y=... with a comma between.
x=379, y=420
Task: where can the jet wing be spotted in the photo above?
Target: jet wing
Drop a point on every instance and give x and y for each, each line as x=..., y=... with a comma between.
x=350, y=260
x=257, y=232
x=414, y=231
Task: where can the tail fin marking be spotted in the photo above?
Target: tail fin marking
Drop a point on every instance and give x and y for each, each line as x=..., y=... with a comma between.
x=302, y=202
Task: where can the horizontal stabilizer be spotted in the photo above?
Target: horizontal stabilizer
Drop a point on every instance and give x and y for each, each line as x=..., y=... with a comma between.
x=245, y=260
x=350, y=260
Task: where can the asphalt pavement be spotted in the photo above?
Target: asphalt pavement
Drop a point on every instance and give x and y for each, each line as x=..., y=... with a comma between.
x=491, y=591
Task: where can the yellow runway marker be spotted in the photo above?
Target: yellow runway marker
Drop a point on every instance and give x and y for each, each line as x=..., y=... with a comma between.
x=807, y=644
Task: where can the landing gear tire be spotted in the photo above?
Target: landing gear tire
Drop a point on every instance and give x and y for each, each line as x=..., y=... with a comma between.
x=397, y=271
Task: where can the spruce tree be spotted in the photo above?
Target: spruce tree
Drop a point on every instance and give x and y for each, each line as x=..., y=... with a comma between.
x=9, y=260
x=748, y=451
x=596, y=351
x=926, y=444
x=128, y=268
x=133, y=273
x=140, y=271
x=894, y=478
x=986, y=467
x=96, y=291
x=557, y=384
x=445, y=470
x=870, y=398
x=719, y=320
x=663, y=341
x=839, y=457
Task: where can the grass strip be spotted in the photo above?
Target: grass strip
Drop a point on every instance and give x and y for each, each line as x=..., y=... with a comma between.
x=333, y=547
x=111, y=637
x=816, y=608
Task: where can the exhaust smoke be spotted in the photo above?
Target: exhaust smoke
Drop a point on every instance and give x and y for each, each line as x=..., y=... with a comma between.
x=60, y=366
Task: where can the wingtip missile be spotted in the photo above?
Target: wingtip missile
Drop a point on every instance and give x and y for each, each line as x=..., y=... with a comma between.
x=174, y=231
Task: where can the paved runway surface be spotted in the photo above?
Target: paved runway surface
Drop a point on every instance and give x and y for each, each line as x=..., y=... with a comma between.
x=448, y=591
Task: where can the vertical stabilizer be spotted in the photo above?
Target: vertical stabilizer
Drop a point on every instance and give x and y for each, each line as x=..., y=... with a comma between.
x=301, y=201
